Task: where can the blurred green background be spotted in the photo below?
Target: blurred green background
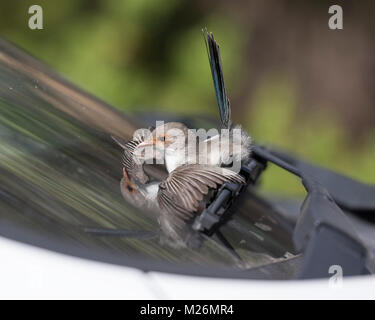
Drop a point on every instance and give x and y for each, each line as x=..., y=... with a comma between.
x=292, y=81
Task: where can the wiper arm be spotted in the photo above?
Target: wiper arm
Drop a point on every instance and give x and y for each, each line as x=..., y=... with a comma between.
x=347, y=193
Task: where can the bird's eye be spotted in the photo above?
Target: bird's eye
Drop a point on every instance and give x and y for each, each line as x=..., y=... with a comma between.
x=162, y=139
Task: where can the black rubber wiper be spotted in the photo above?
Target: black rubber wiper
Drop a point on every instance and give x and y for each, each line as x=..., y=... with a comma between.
x=221, y=210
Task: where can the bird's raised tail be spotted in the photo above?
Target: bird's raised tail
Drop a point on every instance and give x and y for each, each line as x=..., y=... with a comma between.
x=218, y=78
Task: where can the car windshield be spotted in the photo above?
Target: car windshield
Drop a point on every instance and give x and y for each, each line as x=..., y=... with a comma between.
x=60, y=173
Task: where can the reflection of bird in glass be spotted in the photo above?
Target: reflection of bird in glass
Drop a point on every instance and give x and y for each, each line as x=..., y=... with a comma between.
x=181, y=146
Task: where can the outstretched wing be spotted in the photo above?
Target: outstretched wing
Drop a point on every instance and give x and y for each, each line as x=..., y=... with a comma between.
x=133, y=167
x=218, y=77
x=180, y=194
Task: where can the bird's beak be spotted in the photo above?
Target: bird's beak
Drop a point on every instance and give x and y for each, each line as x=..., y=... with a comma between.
x=125, y=173
x=147, y=143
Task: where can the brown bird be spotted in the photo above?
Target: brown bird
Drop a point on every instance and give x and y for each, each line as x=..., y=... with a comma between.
x=190, y=185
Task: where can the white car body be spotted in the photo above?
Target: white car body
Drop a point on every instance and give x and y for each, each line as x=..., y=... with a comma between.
x=28, y=272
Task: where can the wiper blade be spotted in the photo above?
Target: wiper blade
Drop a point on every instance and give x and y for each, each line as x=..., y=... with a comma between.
x=220, y=210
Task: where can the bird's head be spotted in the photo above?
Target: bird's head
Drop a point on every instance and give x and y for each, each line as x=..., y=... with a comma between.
x=126, y=182
x=131, y=191
x=170, y=136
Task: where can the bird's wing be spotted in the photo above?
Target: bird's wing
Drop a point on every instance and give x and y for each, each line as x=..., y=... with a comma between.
x=218, y=78
x=120, y=141
x=129, y=147
x=130, y=163
x=181, y=193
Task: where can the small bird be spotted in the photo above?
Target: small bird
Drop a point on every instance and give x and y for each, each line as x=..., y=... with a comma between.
x=182, y=146
x=189, y=186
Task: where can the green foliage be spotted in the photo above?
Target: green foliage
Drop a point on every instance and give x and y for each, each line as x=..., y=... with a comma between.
x=316, y=136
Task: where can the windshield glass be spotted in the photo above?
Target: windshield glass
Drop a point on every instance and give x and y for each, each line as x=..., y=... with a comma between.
x=60, y=173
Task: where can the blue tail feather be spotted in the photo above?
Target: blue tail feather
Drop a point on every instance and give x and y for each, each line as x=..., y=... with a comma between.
x=218, y=77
